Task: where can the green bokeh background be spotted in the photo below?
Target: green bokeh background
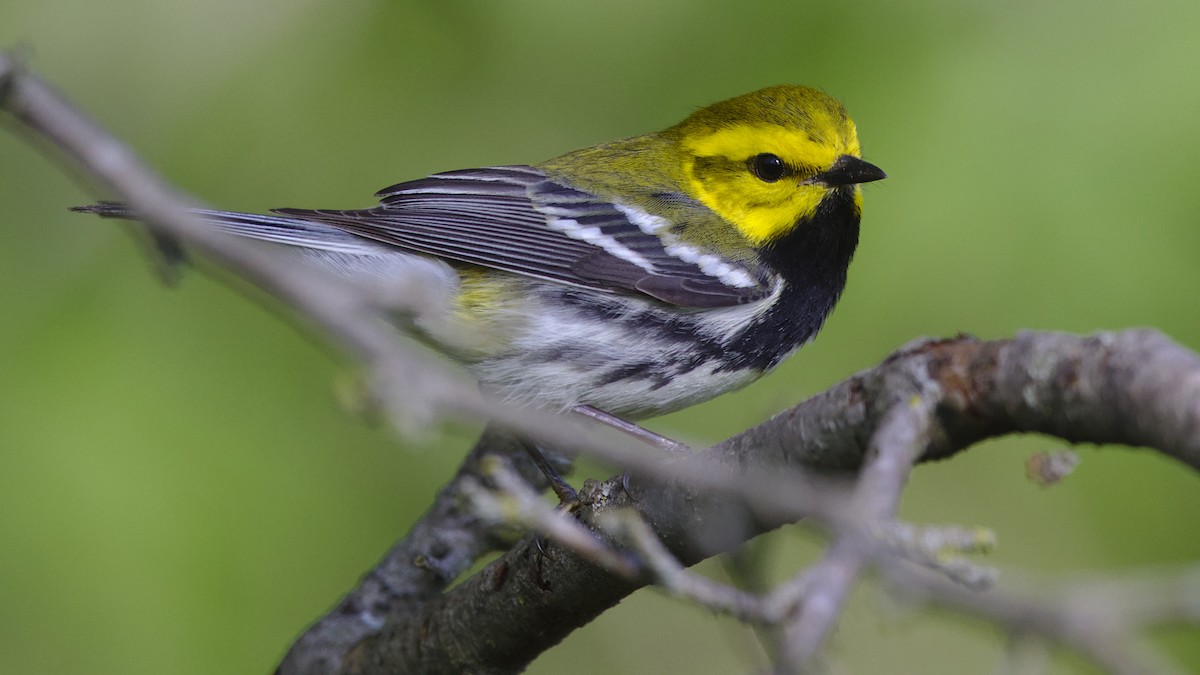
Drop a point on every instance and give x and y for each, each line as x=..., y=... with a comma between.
x=180, y=491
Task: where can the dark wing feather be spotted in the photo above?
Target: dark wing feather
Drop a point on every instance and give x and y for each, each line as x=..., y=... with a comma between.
x=516, y=219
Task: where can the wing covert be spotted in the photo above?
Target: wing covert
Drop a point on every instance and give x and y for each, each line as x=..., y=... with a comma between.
x=517, y=219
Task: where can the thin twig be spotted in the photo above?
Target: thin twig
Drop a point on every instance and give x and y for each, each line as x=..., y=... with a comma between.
x=1099, y=619
x=515, y=503
x=897, y=444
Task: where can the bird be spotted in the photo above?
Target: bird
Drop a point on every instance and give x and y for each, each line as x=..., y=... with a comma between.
x=625, y=280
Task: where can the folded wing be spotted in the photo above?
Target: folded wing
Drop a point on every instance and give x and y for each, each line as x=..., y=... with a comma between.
x=516, y=219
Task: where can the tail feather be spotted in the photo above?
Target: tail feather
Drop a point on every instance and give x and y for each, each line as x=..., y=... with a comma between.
x=106, y=210
x=170, y=253
x=278, y=229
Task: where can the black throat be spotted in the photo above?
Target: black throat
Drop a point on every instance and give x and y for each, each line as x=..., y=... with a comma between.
x=812, y=260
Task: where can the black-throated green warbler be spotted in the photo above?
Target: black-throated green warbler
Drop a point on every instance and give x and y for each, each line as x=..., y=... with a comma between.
x=637, y=277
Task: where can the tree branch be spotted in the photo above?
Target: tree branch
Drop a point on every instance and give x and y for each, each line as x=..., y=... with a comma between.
x=983, y=389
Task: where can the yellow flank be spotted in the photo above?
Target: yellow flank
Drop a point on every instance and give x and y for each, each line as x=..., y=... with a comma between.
x=761, y=210
x=477, y=293
x=480, y=318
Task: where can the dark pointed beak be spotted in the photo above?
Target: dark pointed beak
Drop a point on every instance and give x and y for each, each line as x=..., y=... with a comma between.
x=848, y=170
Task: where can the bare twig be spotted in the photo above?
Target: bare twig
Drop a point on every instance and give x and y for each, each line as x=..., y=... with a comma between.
x=515, y=503
x=897, y=444
x=941, y=548
x=675, y=578
x=1097, y=619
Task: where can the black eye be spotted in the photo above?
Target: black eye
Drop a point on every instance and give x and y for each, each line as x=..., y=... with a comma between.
x=767, y=167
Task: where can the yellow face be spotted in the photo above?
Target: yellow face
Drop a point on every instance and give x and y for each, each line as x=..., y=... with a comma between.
x=751, y=160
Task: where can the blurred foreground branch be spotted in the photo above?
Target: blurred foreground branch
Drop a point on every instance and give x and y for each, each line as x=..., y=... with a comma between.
x=926, y=402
